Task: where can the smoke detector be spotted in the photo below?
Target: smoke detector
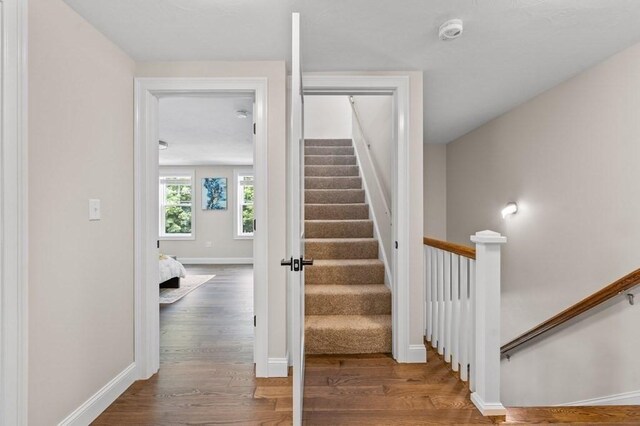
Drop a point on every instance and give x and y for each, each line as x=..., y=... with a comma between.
x=451, y=29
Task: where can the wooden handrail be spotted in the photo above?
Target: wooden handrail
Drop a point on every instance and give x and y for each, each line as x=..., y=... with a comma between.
x=623, y=284
x=465, y=251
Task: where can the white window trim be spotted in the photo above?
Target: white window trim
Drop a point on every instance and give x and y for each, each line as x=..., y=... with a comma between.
x=237, y=208
x=164, y=171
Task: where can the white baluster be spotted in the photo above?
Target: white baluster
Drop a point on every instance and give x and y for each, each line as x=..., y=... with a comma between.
x=472, y=316
x=455, y=300
x=464, y=319
x=487, y=324
x=441, y=302
x=434, y=298
x=447, y=307
x=427, y=255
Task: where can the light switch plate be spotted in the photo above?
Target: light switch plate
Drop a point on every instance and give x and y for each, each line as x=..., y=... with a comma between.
x=94, y=209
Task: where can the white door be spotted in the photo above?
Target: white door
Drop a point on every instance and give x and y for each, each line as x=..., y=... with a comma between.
x=296, y=262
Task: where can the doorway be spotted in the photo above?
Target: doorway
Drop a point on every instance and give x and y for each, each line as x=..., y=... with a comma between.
x=189, y=196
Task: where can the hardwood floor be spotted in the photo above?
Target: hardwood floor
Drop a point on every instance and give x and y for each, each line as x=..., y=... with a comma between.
x=207, y=377
x=206, y=361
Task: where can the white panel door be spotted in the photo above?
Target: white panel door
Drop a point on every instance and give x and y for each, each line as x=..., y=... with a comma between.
x=296, y=262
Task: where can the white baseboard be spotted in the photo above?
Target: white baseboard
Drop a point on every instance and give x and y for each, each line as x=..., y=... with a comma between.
x=216, y=260
x=488, y=409
x=278, y=367
x=99, y=402
x=626, y=398
x=416, y=354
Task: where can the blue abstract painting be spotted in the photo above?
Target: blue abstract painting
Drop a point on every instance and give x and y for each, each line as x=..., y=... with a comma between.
x=214, y=194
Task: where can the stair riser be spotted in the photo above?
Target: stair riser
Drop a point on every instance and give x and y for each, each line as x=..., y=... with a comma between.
x=336, y=211
x=333, y=183
x=330, y=341
x=344, y=274
x=351, y=304
x=322, y=229
x=327, y=142
x=335, y=160
x=328, y=150
x=342, y=250
x=310, y=171
x=344, y=196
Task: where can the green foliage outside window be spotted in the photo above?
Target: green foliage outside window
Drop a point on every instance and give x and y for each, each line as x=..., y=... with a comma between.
x=247, y=209
x=177, y=209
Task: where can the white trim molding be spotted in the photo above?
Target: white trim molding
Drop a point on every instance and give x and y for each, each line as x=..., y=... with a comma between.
x=417, y=354
x=216, y=260
x=279, y=367
x=486, y=408
x=13, y=214
x=148, y=91
x=101, y=400
x=398, y=86
x=625, y=398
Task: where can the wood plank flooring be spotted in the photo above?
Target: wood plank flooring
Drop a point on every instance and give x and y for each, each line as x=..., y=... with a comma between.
x=207, y=377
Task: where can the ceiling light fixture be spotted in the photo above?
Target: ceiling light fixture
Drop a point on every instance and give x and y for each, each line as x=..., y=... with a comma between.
x=451, y=29
x=241, y=113
x=509, y=209
x=162, y=145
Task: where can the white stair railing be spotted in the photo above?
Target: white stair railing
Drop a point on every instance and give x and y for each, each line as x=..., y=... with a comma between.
x=463, y=313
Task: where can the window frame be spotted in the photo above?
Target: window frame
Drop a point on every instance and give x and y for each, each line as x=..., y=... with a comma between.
x=237, y=216
x=168, y=172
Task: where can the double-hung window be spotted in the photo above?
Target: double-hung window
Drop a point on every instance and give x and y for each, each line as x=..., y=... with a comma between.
x=177, y=205
x=244, y=203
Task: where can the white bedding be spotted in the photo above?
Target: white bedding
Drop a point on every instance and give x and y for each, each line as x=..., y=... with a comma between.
x=170, y=268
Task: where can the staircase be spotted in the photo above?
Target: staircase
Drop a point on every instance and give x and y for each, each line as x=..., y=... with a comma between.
x=347, y=305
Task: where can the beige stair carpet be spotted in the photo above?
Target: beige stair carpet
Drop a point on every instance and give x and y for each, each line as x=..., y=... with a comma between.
x=347, y=305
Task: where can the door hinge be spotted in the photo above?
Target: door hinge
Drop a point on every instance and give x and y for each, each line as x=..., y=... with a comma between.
x=254, y=128
x=157, y=243
x=254, y=225
x=396, y=245
x=254, y=320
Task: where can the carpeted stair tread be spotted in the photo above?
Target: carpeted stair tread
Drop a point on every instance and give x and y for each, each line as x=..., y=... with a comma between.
x=326, y=170
x=330, y=160
x=347, y=211
x=327, y=142
x=341, y=248
x=345, y=271
x=358, y=228
x=334, y=196
x=333, y=182
x=328, y=150
x=365, y=299
x=347, y=334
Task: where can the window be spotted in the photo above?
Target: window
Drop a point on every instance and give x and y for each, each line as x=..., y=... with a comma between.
x=176, y=206
x=244, y=203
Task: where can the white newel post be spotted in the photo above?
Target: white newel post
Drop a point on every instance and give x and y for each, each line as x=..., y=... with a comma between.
x=487, y=323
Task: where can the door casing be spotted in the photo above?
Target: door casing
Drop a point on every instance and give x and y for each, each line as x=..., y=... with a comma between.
x=147, y=321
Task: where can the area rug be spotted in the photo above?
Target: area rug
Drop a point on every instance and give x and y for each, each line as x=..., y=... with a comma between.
x=187, y=285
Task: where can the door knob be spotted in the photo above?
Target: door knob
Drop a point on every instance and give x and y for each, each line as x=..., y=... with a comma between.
x=305, y=262
x=288, y=263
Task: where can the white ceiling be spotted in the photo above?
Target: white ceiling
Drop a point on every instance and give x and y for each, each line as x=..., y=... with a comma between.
x=511, y=50
x=206, y=130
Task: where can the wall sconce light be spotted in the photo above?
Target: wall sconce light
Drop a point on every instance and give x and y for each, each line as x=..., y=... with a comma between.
x=509, y=209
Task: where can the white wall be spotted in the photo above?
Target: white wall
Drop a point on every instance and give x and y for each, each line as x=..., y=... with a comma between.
x=80, y=272
x=376, y=120
x=327, y=117
x=274, y=71
x=435, y=191
x=215, y=226
x=569, y=158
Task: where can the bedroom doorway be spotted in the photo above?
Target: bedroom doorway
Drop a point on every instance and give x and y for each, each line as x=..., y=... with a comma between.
x=201, y=259
x=206, y=227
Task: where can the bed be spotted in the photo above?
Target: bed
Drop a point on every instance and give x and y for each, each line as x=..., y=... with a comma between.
x=170, y=272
